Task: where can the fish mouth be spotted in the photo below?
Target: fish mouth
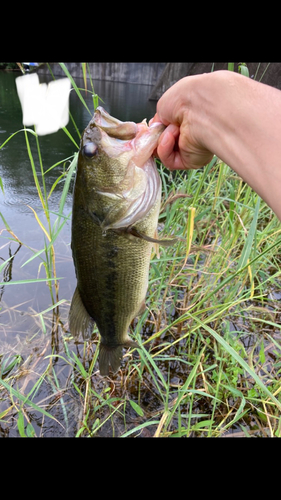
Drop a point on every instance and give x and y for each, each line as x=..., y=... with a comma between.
x=132, y=191
x=145, y=142
x=118, y=137
x=114, y=127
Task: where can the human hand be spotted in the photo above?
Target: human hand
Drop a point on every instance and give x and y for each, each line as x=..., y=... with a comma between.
x=179, y=146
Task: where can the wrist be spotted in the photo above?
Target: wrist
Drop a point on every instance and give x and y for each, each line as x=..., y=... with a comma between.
x=211, y=108
x=239, y=120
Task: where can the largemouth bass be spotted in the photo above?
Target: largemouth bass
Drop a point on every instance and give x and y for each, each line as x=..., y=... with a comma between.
x=116, y=205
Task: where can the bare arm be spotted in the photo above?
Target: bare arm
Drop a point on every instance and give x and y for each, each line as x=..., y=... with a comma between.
x=229, y=115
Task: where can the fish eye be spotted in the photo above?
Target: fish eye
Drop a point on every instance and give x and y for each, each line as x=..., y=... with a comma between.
x=90, y=149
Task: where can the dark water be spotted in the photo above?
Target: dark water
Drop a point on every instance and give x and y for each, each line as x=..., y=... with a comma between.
x=124, y=101
x=21, y=330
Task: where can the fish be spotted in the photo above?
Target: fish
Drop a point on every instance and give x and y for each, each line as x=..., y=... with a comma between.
x=116, y=203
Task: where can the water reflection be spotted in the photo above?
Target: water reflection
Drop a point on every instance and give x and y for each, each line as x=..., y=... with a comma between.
x=7, y=271
x=22, y=332
x=124, y=101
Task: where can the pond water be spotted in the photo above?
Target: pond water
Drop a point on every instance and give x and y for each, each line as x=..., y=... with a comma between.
x=124, y=101
x=21, y=331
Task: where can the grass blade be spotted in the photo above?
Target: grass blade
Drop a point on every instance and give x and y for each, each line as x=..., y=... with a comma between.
x=65, y=190
x=148, y=360
x=15, y=133
x=84, y=69
x=139, y=427
x=70, y=137
x=26, y=282
x=40, y=223
x=1, y=186
x=238, y=358
x=53, y=306
x=136, y=407
x=24, y=399
x=249, y=241
x=64, y=68
x=40, y=194
x=20, y=424
x=189, y=234
x=55, y=184
x=243, y=70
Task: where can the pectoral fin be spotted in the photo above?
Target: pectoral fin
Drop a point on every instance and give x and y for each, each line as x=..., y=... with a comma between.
x=138, y=234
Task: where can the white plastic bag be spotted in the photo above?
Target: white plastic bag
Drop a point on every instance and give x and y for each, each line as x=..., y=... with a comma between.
x=44, y=105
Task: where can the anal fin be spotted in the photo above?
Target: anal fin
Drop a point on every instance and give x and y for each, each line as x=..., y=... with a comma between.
x=142, y=308
x=79, y=319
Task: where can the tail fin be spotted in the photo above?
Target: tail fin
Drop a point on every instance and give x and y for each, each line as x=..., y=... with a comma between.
x=112, y=356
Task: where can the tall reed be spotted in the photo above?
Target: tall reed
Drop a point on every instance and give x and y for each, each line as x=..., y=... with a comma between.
x=195, y=373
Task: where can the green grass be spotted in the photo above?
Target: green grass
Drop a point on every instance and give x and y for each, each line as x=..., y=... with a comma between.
x=210, y=357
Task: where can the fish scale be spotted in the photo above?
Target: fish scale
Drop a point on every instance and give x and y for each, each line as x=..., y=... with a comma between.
x=112, y=256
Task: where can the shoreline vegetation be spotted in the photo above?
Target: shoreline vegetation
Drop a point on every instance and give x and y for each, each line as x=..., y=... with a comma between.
x=210, y=357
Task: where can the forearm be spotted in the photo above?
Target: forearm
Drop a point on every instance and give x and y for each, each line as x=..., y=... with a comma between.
x=239, y=120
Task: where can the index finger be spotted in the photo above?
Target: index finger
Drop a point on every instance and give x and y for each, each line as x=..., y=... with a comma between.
x=167, y=149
